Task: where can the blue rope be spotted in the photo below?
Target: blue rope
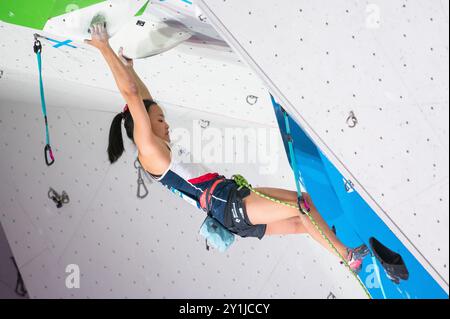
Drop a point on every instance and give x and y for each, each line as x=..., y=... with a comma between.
x=43, y=105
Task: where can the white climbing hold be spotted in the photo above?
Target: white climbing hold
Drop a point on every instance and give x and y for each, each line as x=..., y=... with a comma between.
x=144, y=37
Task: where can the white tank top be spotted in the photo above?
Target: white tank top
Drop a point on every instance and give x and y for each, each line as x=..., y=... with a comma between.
x=181, y=164
x=189, y=178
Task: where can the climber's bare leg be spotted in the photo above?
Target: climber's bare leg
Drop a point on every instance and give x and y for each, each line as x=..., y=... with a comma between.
x=264, y=211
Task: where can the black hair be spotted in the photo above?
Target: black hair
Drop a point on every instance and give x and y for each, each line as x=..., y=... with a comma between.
x=115, y=146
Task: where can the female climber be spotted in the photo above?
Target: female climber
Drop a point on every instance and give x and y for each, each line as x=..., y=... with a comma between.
x=242, y=212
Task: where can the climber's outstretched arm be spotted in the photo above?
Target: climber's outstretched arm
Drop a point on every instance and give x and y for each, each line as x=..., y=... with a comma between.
x=146, y=141
x=126, y=83
x=143, y=90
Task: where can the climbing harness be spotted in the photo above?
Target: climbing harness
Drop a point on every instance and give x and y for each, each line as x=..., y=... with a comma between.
x=215, y=234
x=206, y=196
x=242, y=182
x=140, y=180
x=48, y=154
x=289, y=139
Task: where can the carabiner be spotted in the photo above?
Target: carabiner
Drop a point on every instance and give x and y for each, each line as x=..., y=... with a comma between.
x=348, y=186
x=48, y=151
x=52, y=194
x=137, y=163
x=37, y=46
x=351, y=120
x=141, y=183
x=64, y=197
x=308, y=208
x=301, y=199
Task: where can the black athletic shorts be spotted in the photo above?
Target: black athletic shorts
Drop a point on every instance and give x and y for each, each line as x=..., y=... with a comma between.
x=235, y=215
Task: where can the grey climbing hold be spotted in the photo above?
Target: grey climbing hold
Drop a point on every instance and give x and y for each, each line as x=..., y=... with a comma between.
x=204, y=123
x=251, y=99
x=352, y=120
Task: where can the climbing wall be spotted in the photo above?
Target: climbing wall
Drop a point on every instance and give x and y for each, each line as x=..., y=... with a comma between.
x=369, y=83
x=122, y=246
x=126, y=247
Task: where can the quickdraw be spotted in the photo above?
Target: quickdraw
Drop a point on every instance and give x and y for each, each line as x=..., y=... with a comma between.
x=140, y=181
x=48, y=153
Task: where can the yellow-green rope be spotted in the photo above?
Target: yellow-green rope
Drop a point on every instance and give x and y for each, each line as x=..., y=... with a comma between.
x=242, y=182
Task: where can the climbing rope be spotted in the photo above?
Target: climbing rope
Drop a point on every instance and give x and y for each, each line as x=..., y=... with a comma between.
x=242, y=182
